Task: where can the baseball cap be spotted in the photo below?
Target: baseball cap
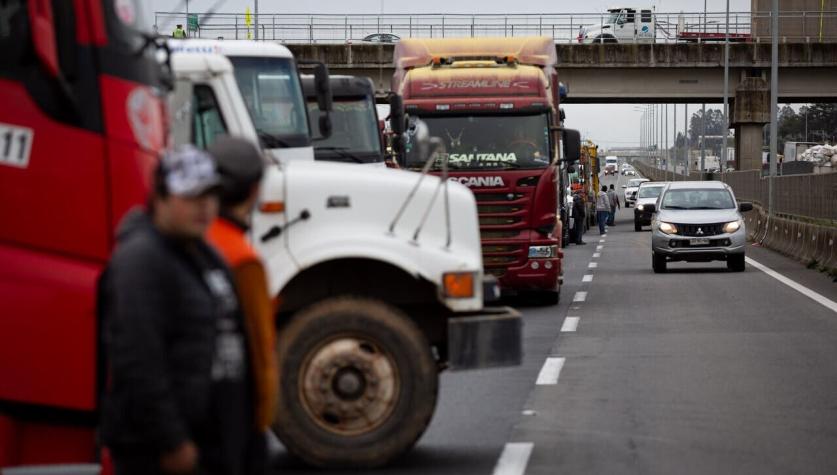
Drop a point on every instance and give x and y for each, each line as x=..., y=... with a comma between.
x=189, y=172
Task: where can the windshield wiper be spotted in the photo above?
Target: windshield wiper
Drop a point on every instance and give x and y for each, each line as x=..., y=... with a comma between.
x=675, y=207
x=341, y=152
x=706, y=207
x=270, y=140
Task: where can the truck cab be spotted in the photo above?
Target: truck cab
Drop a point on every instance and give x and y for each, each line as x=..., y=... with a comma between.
x=355, y=131
x=622, y=25
x=381, y=285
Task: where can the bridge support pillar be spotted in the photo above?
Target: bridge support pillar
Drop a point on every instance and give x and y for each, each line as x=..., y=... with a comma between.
x=751, y=113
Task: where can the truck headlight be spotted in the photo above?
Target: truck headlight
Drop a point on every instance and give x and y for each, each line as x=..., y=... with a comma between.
x=459, y=285
x=732, y=227
x=640, y=207
x=543, y=252
x=668, y=228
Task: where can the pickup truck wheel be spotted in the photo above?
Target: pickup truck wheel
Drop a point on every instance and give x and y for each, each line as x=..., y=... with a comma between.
x=658, y=263
x=357, y=383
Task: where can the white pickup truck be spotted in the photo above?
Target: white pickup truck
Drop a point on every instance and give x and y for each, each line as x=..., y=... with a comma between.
x=379, y=275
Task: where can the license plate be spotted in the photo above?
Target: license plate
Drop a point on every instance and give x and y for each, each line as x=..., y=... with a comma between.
x=699, y=242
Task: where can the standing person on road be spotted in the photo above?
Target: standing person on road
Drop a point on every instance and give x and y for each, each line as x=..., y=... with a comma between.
x=179, y=391
x=579, y=215
x=179, y=32
x=614, y=205
x=241, y=166
x=602, y=209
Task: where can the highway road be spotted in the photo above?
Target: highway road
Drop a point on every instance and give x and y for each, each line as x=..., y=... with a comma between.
x=698, y=370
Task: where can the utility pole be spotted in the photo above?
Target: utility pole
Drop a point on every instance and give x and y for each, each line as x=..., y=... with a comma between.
x=256, y=18
x=667, y=155
x=774, y=99
x=686, y=165
x=726, y=97
x=674, y=142
x=187, y=18
x=703, y=140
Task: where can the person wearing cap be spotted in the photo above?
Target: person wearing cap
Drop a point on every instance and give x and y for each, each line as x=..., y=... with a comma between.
x=241, y=166
x=179, y=32
x=178, y=395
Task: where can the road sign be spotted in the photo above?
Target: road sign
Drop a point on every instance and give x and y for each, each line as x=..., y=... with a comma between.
x=192, y=22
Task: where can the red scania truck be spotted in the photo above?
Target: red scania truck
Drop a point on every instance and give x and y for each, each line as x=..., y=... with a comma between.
x=81, y=124
x=494, y=104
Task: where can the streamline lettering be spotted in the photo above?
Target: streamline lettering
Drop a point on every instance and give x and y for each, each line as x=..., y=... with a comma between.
x=474, y=84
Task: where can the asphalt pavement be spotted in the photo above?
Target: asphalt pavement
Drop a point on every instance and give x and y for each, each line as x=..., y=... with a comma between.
x=698, y=370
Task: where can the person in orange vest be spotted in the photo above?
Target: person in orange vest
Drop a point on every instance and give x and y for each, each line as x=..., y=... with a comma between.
x=241, y=166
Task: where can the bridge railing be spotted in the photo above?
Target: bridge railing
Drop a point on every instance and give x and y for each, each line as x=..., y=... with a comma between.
x=562, y=27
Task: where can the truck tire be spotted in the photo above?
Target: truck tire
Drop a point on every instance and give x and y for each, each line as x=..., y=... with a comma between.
x=658, y=263
x=605, y=39
x=736, y=263
x=372, y=382
x=637, y=226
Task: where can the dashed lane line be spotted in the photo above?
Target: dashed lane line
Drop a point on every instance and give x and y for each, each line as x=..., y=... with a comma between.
x=599, y=248
x=597, y=255
x=570, y=324
x=592, y=265
x=514, y=458
x=819, y=298
x=550, y=371
x=587, y=278
x=579, y=296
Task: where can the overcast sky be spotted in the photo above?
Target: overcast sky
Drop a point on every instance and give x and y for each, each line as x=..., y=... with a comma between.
x=614, y=125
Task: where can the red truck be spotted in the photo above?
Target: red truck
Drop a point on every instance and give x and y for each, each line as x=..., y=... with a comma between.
x=493, y=102
x=81, y=126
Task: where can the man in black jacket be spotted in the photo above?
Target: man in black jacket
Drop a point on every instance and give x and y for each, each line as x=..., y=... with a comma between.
x=579, y=217
x=179, y=396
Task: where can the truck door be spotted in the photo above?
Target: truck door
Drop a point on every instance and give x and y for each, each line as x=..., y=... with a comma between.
x=646, y=32
x=629, y=30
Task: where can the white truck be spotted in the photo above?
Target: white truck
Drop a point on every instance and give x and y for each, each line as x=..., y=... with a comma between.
x=622, y=25
x=380, y=282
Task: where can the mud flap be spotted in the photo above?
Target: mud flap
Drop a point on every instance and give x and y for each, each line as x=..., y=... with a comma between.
x=493, y=338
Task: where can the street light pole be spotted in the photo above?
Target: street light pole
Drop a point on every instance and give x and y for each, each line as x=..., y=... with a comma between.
x=774, y=99
x=726, y=97
x=256, y=18
x=686, y=165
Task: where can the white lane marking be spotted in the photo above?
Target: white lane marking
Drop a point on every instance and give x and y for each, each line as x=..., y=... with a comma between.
x=579, y=297
x=550, y=371
x=819, y=298
x=529, y=412
x=592, y=265
x=601, y=240
x=587, y=278
x=604, y=235
x=599, y=248
x=514, y=458
x=596, y=255
x=570, y=324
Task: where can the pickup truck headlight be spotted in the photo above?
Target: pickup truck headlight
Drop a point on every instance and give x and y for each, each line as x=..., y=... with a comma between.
x=668, y=228
x=459, y=285
x=732, y=227
x=640, y=207
x=543, y=252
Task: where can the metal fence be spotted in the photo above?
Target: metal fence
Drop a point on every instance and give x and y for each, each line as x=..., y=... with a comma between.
x=812, y=196
x=671, y=27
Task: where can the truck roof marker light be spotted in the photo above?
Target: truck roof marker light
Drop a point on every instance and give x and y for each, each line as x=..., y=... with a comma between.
x=272, y=207
x=442, y=107
x=506, y=105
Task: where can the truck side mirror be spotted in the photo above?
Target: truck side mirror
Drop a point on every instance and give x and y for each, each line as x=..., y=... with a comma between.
x=650, y=208
x=42, y=29
x=571, y=139
x=745, y=206
x=322, y=89
x=396, y=114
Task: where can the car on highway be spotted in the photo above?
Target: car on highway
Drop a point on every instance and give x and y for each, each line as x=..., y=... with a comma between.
x=698, y=221
x=382, y=38
x=647, y=194
x=631, y=189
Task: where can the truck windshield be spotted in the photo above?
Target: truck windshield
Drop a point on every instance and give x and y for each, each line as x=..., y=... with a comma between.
x=650, y=191
x=273, y=95
x=698, y=199
x=614, y=17
x=479, y=142
x=354, y=135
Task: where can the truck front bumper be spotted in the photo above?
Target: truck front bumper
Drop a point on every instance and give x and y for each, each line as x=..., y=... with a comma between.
x=490, y=338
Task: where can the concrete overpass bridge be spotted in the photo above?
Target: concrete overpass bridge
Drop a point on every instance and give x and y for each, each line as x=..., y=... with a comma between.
x=639, y=73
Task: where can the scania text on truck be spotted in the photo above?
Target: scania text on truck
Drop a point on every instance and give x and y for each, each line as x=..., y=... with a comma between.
x=379, y=291
x=494, y=104
x=83, y=122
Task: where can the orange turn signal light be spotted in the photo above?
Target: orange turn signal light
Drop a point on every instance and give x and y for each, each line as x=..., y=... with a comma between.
x=272, y=207
x=459, y=285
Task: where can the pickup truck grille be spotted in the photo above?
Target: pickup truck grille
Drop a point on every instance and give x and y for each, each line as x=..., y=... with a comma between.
x=700, y=230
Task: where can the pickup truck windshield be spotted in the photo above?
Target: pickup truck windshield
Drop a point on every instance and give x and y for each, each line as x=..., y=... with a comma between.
x=698, y=199
x=650, y=191
x=634, y=183
x=273, y=95
x=489, y=142
x=355, y=134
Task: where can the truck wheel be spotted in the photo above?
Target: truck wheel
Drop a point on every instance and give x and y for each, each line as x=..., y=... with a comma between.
x=658, y=262
x=735, y=263
x=637, y=226
x=357, y=383
x=549, y=297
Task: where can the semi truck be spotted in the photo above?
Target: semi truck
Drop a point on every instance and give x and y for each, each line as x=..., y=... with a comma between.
x=86, y=120
x=376, y=289
x=357, y=134
x=494, y=104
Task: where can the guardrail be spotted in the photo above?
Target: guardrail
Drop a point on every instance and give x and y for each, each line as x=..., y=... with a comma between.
x=813, y=26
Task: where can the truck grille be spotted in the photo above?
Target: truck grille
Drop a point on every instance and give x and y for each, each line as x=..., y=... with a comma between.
x=497, y=196
x=498, y=234
x=700, y=230
x=498, y=220
x=489, y=260
x=495, y=249
x=496, y=271
x=499, y=208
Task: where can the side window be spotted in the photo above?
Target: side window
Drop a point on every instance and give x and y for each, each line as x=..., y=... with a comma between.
x=630, y=14
x=208, y=123
x=646, y=16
